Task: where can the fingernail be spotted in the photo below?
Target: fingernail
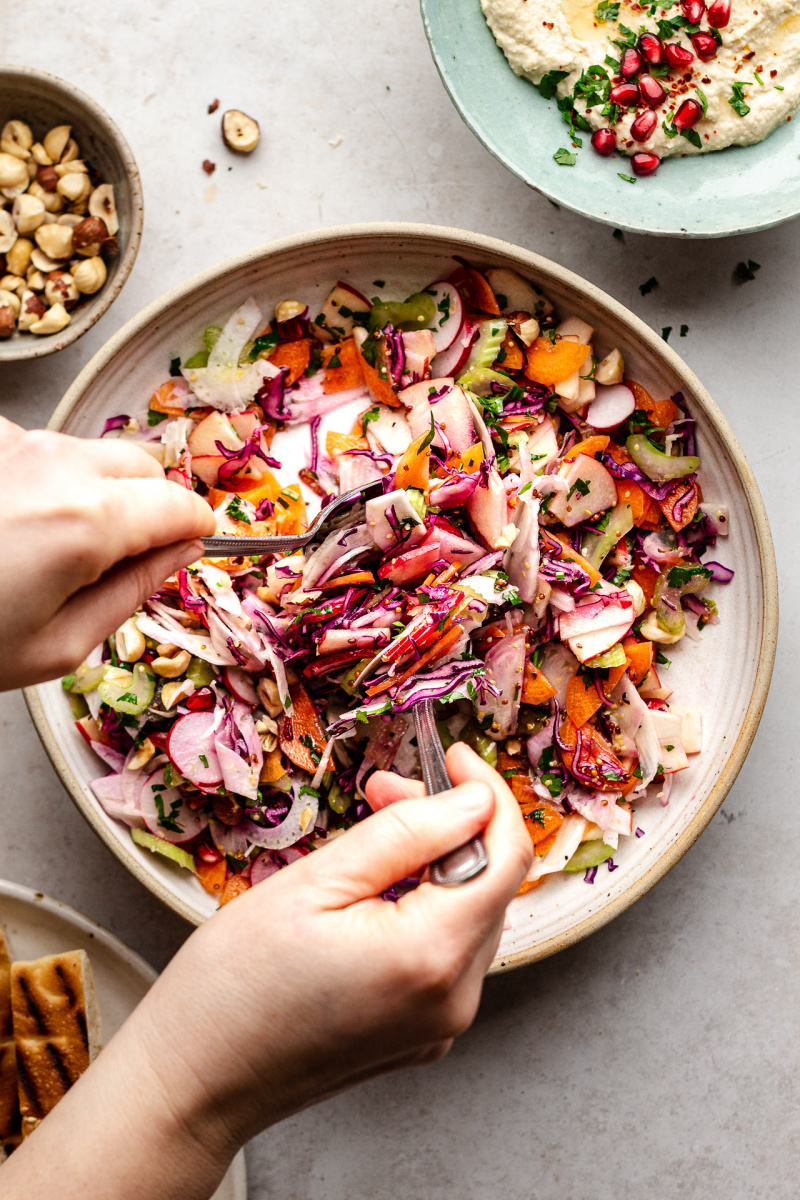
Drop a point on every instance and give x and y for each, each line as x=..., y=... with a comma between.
x=472, y=797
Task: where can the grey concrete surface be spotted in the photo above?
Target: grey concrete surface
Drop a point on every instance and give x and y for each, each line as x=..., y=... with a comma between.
x=659, y=1060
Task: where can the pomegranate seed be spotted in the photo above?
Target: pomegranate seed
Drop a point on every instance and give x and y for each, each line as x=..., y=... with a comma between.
x=652, y=91
x=678, y=56
x=693, y=10
x=652, y=48
x=643, y=163
x=604, y=141
x=624, y=94
x=207, y=854
x=719, y=13
x=631, y=64
x=644, y=125
x=687, y=115
x=705, y=46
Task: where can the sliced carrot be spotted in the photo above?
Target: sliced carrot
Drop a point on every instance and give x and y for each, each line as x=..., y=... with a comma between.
x=469, y=461
x=646, y=577
x=475, y=289
x=377, y=379
x=233, y=888
x=553, y=362
x=444, y=644
x=355, y=580
x=413, y=469
x=644, y=510
x=545, y=845
x=290, y=512
x=618, y=453
x=590, y=446
x=164, y=399
x=582, y=700
x=295, y=732
x=596, y=754
x=541, y=817
x=511, y=357
x=272, y=767
x=614, y=676
x=528, y=885
x=340, y=443
x=660, y=412
x=536, y=689
x=212, y=876
x=350, y=371
x=294, y=355
x=639, y=657
x=573, y=556
x=685, y=494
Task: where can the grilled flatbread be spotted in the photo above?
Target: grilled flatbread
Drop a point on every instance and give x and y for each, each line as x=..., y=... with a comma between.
x=9, y=1109
x=56, y=1029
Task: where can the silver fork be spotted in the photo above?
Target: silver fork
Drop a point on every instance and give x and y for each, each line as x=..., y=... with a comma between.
x=339, y=514
x=470, y=859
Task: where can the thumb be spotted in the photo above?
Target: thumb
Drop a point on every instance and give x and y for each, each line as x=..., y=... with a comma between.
x=400, y=840
x=96, y=611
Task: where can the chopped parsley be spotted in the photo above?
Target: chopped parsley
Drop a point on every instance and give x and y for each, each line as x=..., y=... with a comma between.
x=627, y=178
x=737, y=100
x=581, y=486
x=537, y=817
x=743, y=272
x=647, y=287
x=264, y=344
x=619, y=235
x=549, y=83
x=684, y=330
x=564, y=158
x=665, y=332
x=607, y=10
x=701, y=96
x=175, y=366
x=203, y=760
x=236, y=511
x=693, y=137
x=155, y=418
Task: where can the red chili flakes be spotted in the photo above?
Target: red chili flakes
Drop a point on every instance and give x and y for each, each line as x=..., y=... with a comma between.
x=772, y=74
x=209, y=167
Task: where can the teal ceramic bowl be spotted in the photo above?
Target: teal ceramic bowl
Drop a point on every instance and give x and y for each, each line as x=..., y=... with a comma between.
x=738, y=190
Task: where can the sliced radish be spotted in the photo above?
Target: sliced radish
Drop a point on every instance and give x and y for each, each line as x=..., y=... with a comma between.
x=216, y=427
x=452, y=546
x=240, y=684
x=488, y=508
x=452, y=414
x=590, y=489
x=612, y=405
x=166, y=813
x=190, y=746
x=449, y=314
x=206, y=467
x=453, y=360
x=263, y=867
x=417, y=394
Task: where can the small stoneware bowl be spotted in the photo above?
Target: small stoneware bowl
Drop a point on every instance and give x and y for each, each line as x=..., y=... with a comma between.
x=726, y=674
x=42, y=101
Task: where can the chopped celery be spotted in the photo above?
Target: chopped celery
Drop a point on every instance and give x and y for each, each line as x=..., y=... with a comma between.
x=129, y=692
x=211, y=336
x=595, y=547
x=79, y=707
x=150, y=841
x=589, y=854
x=445, y=735
x=487, y=345
x=85, y=679
x=200, y=672
x=657, y=465
x=339, y=801
x=671, y=586
x=615, y=657
x=417, y=498
x=480, y=742
x=196, y=361
x=531, y=720
x=479, y=380
x=417, y=312
x=348, y=681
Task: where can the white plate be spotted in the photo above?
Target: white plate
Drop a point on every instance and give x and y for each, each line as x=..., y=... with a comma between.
x=37, y=925
x=726, y=675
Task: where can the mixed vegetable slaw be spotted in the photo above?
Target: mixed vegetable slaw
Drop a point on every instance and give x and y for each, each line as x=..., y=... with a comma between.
x=535, y=550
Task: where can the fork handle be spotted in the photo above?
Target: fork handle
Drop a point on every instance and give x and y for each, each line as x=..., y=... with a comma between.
x=237, y=546
x=468, y=860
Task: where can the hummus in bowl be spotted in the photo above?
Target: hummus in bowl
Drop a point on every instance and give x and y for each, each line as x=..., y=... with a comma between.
x=656, y=80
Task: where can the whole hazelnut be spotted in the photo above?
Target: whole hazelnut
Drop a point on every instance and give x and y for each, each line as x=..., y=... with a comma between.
x=7, y=321
x=89, y=235
x=47, y=177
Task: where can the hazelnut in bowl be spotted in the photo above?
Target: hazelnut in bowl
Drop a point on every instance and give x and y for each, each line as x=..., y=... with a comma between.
x=71, y=213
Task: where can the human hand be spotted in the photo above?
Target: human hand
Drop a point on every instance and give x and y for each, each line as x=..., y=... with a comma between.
x=304, y=985
x=88, y=529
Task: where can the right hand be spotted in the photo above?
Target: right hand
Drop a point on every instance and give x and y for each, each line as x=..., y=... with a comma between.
x=310, y=982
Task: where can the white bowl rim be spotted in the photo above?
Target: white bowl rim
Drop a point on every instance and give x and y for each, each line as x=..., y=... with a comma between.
x=477, y=245
x=34, y=347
